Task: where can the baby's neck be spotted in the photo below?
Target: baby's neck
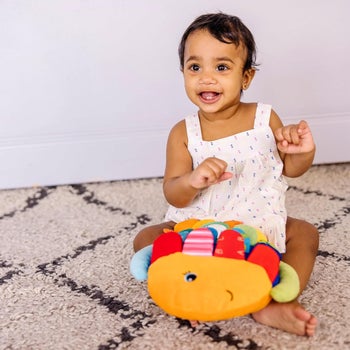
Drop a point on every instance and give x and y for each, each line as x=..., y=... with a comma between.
x=220, y=125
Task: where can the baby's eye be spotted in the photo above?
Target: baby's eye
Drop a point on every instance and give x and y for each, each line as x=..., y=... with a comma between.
x=194, y=67
x=190, y=277
x=222, y=67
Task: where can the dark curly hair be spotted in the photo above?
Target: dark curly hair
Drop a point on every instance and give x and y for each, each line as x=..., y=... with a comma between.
x=225, y=28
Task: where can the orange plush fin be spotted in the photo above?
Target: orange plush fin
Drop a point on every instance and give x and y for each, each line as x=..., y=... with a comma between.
x=184, y=225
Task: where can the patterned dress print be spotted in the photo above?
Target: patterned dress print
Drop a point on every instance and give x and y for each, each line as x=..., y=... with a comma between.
x=256, y=192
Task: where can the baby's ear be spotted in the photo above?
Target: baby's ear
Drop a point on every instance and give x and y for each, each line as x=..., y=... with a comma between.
x=248, y=76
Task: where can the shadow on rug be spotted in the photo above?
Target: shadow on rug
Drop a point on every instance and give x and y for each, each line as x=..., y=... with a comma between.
x=65, y=281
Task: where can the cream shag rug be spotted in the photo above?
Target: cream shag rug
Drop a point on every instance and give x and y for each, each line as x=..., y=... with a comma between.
x=65, y=282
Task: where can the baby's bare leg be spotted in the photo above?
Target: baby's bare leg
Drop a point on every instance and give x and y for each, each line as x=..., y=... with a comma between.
x=301, y=250
x=147, y=236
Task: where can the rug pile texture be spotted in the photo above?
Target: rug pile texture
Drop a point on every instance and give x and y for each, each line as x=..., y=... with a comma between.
x=65, y=281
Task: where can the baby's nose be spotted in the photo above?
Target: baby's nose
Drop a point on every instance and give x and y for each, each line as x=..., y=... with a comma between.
x=207, y=78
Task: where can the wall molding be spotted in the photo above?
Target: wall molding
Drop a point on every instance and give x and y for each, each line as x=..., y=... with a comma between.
x=320, y=118
x=331, y=134
x=44, y=160
x=67, y=159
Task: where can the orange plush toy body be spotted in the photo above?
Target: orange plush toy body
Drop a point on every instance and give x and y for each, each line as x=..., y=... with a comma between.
x=206, y=271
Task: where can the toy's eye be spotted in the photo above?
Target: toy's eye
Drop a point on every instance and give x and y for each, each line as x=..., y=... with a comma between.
x=190, y=277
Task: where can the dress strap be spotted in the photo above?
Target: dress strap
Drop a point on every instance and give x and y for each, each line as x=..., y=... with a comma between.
x=193, y=127
x=262, y=115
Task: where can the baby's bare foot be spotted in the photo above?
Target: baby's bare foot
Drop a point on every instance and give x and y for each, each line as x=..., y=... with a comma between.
x=290, y=317
x=194, y=324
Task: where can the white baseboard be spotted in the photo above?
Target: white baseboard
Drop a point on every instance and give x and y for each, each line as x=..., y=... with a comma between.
x=68, y=159
x=331, y=135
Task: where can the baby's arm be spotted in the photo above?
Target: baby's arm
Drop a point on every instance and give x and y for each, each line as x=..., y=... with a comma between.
x=296, y=146
x=181, y=183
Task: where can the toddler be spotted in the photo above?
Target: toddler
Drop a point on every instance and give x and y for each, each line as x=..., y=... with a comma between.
x=228, y=160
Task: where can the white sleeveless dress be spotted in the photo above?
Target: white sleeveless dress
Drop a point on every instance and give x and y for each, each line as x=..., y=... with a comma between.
x=256, y=192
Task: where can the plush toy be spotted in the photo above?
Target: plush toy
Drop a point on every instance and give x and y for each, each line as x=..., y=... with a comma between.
x=207, y=271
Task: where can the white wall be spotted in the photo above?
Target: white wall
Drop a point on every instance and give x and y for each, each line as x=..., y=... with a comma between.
x=89, y=89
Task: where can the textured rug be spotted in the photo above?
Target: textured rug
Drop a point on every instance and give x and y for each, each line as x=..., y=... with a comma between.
x=65, y=282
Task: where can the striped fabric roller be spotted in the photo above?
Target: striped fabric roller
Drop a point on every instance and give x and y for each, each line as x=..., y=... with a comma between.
x=199, y=242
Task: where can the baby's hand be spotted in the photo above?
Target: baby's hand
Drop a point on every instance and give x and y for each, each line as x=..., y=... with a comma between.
x=295, y=138
x=209, y=172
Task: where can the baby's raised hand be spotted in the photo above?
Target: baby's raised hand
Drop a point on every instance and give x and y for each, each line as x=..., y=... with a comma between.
x=295, y=138
x=209, y=172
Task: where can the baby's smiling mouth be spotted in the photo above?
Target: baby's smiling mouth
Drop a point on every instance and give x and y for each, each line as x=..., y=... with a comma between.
x=209, y=96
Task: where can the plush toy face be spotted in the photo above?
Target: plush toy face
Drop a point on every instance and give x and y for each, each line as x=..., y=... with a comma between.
x=208, y=288
x=214, y=272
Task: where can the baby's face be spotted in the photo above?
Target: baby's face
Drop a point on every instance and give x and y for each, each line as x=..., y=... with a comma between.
x=213, y=72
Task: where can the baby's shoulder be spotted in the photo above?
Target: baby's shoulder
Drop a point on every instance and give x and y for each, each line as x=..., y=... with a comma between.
x=178, y=130
x=179, y=126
